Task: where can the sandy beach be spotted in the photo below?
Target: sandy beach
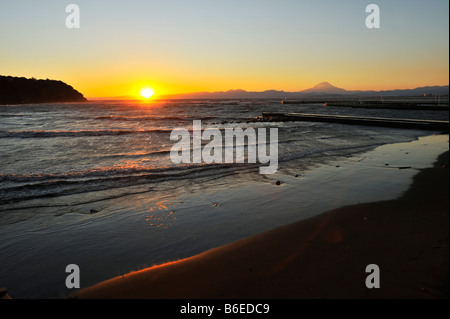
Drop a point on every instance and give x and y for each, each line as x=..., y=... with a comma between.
x=321, y=257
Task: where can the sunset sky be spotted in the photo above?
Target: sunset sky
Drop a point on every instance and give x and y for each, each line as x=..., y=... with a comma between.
x=183, y=46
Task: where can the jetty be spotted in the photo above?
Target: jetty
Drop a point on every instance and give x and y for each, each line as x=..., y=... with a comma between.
x=432, y=125
x=432, y=104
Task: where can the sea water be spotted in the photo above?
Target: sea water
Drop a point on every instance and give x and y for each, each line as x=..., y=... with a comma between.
x=93, y=183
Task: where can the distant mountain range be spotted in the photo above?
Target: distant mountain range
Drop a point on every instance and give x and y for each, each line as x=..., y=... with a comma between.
x=322, y=89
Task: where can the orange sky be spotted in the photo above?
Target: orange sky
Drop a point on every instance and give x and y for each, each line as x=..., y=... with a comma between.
x=192, y=46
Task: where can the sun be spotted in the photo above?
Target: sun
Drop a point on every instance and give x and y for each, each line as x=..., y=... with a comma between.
x=147, y=93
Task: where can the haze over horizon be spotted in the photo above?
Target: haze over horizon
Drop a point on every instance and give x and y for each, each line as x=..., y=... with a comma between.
x=322, y=88
x=200, y=46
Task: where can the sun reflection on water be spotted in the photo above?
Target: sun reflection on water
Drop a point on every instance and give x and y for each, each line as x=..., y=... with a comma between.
x=160, y=216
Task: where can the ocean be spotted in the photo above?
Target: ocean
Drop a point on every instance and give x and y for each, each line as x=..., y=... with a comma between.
x=93, y=183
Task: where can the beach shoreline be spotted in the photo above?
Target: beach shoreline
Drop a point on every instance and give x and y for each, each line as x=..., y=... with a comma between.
x=324, y=256
x=109, y=236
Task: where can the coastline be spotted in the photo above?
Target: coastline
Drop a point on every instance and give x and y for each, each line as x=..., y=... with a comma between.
x=324, y=256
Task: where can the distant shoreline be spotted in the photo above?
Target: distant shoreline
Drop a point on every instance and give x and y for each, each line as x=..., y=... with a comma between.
x=319, y=92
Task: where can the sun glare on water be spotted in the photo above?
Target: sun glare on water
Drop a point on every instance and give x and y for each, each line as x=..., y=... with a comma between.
x=147, y=93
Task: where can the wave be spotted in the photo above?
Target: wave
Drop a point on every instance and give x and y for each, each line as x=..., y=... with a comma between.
x=92, y=173
x=53, y=185
x=134, y=155
x=83, y=133
x=292, y=148
x=153, y=118
x=56, y=184
x=11, y=115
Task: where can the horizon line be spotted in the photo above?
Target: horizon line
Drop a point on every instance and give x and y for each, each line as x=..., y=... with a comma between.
x=173, y=95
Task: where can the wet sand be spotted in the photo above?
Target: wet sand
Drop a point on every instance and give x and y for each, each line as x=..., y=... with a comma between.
x=321, y=257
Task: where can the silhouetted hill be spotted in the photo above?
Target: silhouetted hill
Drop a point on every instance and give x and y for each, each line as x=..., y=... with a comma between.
x=19, y=90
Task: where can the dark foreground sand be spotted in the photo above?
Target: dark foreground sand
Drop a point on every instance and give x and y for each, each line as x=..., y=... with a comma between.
x=322, y=257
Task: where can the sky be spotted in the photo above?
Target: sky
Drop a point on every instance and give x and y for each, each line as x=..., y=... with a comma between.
x=181, y=46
